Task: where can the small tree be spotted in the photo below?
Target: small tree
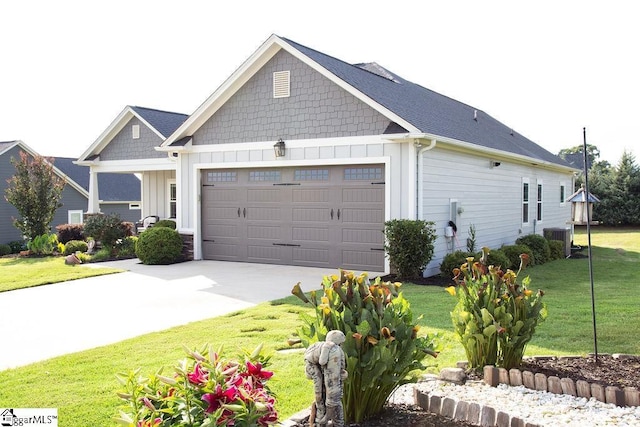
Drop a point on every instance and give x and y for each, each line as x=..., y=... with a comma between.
x=35, y=191
x=409, y=245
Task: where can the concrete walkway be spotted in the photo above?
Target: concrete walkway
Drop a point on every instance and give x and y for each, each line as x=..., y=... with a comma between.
x=46, y=321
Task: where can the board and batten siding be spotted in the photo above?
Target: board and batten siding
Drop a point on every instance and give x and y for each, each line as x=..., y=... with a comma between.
x=490, y=198
x=154, y=192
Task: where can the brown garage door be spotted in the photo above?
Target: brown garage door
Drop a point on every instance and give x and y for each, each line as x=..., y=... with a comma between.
x=313, y=216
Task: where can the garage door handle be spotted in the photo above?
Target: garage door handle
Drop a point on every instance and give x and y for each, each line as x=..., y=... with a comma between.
x=331, y=213
x=238, y=212
x=244, y=212
x=338, y=213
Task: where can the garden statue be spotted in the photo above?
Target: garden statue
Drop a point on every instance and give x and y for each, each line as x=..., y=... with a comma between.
x=325, y=364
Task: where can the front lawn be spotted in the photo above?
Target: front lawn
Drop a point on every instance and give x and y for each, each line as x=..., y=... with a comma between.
x=21, y=272
x=82, y=385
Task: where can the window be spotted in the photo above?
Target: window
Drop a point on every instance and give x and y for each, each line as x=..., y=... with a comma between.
x=563, y=194
x=259, y=176
x=311, y=175
x=539, y=202
x=222, y=177
x=134, y=206
x=172, y=199
x=525, y=201
x=353, y=174
x=75, y=217
x=135, y=131
x=281, y=84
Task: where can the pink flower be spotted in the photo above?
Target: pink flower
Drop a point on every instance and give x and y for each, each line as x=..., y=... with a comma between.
x=220, y=397
x=199, y=376
x=150, y=423
x=257, y=372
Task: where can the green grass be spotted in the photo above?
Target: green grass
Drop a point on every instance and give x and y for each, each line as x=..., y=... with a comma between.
x=19, y=272
x=82, y=385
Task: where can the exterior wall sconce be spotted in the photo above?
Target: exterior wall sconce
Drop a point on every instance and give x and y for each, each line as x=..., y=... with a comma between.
x=494, y=164
x=279, y=148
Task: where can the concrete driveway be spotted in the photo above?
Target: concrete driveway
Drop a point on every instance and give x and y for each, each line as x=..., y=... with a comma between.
x=46, y=321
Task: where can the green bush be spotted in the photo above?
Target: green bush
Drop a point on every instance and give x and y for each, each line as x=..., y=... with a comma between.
x=73, y=246
x=159, y=245
x=107, y=229
x=495, y=316
x=454, y=260
x=513, y=252
x=126, y=248
x=409, y=245
x=539, y=247
x=556, y=248
x=5, y=250
x=69, y=232
x=496, y=257
x=382, y=346
x=45, y=244
x=103, y=254
x=17, y=246
x=166, y=223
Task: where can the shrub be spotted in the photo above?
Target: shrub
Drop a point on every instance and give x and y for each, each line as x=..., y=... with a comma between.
x=126, y=248
x=68, y=232
x=5, y=250
x=159, y=245
x=166, y=223
x=382, y=346
x=74, y=246
x=495, y=316
x=539, y=247
x=453, y=260
x=556, y=248
x=205, y=389
x=495, y=257
x=471, y=240
x=103, y=254
x=107, y=229
x=44, y=244
x=17, y=246
x=513, y=252
x=409, y=245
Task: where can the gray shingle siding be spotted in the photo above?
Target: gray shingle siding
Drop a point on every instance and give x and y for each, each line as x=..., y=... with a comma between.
x=164, y=122
x=8, y=232
x=124, y=147
x=317, y=108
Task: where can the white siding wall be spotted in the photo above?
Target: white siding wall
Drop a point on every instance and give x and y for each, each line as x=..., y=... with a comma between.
x=154, y=192
x=491, y=199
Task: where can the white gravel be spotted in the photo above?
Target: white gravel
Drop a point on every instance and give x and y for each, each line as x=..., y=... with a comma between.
x=536, y=407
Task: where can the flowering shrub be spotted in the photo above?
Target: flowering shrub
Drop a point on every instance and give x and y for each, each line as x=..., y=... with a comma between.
x=205, y=390
x=382, y=345
x=495, y=316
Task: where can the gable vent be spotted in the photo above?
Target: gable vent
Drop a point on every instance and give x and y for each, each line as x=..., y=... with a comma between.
x=281, y=84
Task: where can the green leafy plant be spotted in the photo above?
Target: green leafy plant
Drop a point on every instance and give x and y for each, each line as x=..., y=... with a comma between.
x=107, y=229
x=73, y=246
x=452, y=261
x=382, y=345
x=556, y=249
x=5, y=250
x=17, y=246
x=495, y=316
x=44, y=244
x=205, y=390
x=539, y=247
x=496, y=257
x=471, y=240
x=159, y=245
x=126, y=248
x=409, y=245
x=513, y=252
x=166, y=223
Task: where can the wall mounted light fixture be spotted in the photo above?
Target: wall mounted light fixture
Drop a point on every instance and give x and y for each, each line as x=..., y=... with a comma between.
x=493, y=164
x=279, y=148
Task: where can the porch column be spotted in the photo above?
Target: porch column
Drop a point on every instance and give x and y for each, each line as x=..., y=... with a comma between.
x=94, y=200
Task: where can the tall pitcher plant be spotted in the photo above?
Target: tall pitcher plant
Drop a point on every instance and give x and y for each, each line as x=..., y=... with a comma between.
x=495, y=316
x=382, y=345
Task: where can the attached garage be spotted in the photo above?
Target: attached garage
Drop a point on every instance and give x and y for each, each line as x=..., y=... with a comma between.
x=321, y=216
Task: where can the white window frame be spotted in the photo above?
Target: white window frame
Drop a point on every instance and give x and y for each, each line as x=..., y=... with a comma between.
x=70, y=213
x=539, y=201
x=525, y=199
x=170, y=183
x=563, y=193
x=135, y=206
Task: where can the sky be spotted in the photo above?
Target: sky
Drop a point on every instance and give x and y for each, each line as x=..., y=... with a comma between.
x=547, y=69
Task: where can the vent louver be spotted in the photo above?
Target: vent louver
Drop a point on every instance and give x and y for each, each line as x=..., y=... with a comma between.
x=281, y=84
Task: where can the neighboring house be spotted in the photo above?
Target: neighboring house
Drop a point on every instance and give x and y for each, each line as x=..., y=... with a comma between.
x=360, y=145
x=74, y=197
x=120, y=192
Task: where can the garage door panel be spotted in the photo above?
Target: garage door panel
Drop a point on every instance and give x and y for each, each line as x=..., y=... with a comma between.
x=256, y=213
x=221, y=213
x=311, y=257
x=310, y=195
x=363, y=195
x=361, y=259
x=354, y=235
x=317, y=215
x=363, y=216
x=221, y=231
x=217, y=194
x=267, y=253
x=221, y=251
x=264, y=195
x=310, y=234
x=264, y=232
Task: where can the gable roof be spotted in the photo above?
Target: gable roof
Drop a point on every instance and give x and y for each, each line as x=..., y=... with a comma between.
x=8, y=145
x=162, y=123
x=114, y=187
x=414, y=108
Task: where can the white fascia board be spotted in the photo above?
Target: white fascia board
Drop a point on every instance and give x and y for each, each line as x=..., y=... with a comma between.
x=10, y=146
x=133, y=166
x=146, y=123
x=230, y=86
x=109, y=133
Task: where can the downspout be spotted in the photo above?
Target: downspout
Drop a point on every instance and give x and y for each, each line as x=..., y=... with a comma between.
x=420, y=169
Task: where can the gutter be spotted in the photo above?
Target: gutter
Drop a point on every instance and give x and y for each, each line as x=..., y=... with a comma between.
x=420, y=169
